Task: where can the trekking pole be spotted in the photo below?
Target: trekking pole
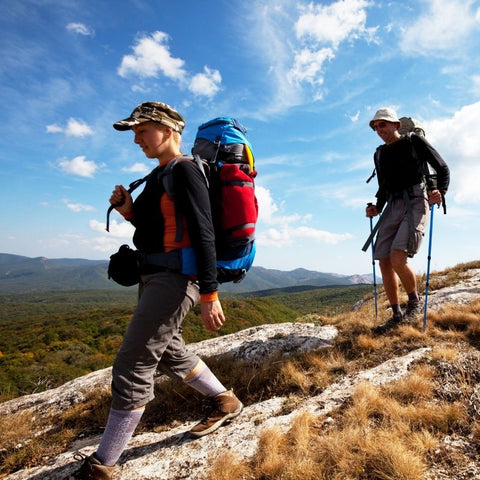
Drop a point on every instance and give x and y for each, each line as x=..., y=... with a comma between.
x=428, y=269
x=373, y=264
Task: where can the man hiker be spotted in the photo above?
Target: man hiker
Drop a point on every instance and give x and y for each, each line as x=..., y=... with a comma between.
x=404, y=197
x=153, y=338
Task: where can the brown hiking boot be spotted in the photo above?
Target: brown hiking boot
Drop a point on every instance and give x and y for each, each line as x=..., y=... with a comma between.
x=220, y=410
x=389, y=324
x=413, y=310
x=92, y=469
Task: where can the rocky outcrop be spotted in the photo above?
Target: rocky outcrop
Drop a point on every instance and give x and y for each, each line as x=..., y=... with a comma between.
x=172, y=454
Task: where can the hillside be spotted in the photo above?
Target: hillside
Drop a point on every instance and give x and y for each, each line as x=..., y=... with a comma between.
x=325, y=399
x=48, y=338
x=19, y=274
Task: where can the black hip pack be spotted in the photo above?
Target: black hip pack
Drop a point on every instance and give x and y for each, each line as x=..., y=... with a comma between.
x=124, y=266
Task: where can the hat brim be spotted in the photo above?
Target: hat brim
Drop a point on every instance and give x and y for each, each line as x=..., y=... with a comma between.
x=128, y=123
x=384, y=120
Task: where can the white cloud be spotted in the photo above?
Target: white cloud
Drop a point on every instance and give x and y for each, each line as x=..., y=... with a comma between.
x=335, y=23
x=296, y=46
x=78, y=166
x=54, y=128
x=77, y=128
x=443, y=28
x=151, y=57
x=80, y=28
x=117, y=229
x=78, y=207
x=321, y=29
x=457, y=142
x=354, y=118
x=74, y=128
x=476, y=85
x=137, y=167
x=206, y=83
x=267, y=207
x=287, y=232
x=289, y=235
x=308, y=65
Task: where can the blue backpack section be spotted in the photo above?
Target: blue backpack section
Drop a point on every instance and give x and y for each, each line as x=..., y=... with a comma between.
x=220, y=141
x=236, y=266
x=225, y=130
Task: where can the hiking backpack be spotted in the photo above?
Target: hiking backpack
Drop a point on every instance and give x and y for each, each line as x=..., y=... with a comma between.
x=409, y=126
x=224, y=154
x=225, y=157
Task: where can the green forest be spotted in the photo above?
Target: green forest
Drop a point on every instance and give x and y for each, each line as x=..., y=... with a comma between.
x=47, y=339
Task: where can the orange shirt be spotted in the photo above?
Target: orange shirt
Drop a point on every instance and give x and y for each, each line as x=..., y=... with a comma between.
x=167, y=207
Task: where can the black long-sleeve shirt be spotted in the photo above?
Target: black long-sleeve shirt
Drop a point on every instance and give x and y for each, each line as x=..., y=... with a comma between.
x=401, y=165
x=192, y=198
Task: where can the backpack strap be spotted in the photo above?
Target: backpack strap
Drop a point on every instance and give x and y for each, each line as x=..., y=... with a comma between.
x=166, y=176
x=430, y=178
x=134, y=185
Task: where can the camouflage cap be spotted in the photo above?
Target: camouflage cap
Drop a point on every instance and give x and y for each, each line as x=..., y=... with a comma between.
x=152, y=112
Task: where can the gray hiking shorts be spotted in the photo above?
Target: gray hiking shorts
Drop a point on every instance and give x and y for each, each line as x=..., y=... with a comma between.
x=394, y=232
x=154, y=339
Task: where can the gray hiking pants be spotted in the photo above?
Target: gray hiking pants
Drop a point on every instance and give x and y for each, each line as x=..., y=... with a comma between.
x=153, y=339
x=403, y=227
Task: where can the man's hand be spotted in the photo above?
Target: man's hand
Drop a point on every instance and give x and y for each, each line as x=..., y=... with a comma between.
x=212, y=315
x=434, y=197
x=371, y=211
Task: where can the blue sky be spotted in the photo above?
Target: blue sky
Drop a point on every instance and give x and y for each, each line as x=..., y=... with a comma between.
x=305, y=78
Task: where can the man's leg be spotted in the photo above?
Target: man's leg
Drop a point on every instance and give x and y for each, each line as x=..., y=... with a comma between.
x=390, y=284
x=409, y=282
x=390, y=280
x=398, y=260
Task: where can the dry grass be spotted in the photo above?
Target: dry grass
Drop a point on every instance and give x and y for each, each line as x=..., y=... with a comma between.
x=25, y=440
x=382, y=434
x=448, y=277
x=394, y=432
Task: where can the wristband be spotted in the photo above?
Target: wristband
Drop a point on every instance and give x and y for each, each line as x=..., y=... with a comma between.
x=208, y=297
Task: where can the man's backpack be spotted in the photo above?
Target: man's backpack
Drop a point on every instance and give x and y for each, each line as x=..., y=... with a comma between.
x=224, y=154
x=408, y=127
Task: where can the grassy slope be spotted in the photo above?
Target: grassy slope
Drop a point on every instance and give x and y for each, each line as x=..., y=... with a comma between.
x=49, y=338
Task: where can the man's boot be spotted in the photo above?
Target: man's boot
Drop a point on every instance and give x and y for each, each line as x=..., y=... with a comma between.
x=389, y=324
x=413, y=310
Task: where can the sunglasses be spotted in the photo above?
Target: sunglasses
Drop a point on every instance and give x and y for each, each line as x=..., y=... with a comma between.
x=378, y=125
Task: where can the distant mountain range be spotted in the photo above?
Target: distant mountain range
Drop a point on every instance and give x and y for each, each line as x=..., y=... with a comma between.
x=19, y=274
